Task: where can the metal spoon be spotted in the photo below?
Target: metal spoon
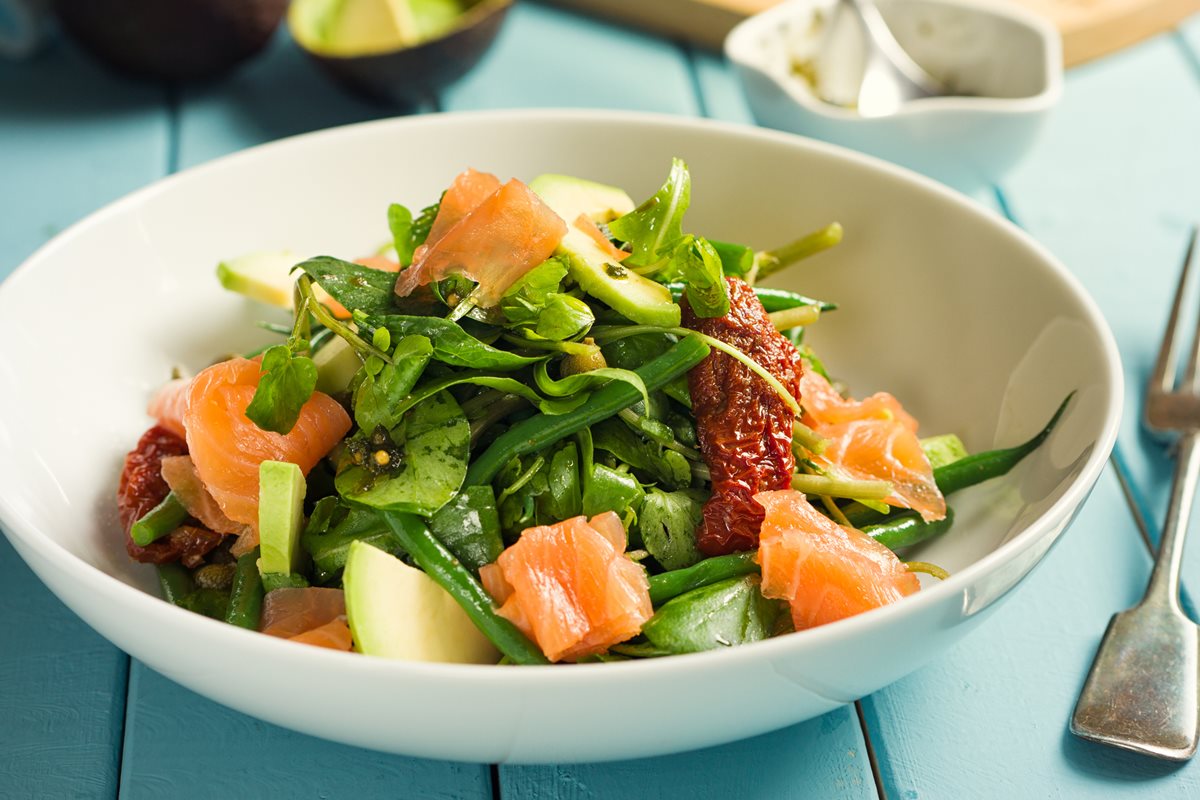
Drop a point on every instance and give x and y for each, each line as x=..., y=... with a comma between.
x=1141, y=693
x=890, y=77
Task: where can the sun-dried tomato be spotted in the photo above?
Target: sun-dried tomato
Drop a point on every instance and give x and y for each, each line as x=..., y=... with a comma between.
x=142, y=487
x=744, y=427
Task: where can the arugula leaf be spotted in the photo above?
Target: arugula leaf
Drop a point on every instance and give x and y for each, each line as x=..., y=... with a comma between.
x=572, y=385
x=525, y=298
x=651, y=227
x=332, y=528
x=564, y=496
x=698, y=264
x=469, y=527
x=383, y=386
x=288, y=380
x=668, y=523
x=722, y=614
x=451, y=344
x=432, y=466
x=354, y=286
x=611, y=490
x=500, y=382
x=400, y=223
x=665, y=466
x=422, y=224
x=564, y=317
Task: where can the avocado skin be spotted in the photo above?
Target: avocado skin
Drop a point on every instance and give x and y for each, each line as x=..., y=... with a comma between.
x=171, y=39
x=411, y=75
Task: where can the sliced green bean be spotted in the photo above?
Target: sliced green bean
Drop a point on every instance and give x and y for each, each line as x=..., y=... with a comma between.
x=541, y=431
x=175, y=582
x=246, y=597
x=772, y=299
x=158, y=521
x=449, y=573
x=667, y=585
x=907, y=529
x=736, y=259
x=771, y=261
x=212, y=603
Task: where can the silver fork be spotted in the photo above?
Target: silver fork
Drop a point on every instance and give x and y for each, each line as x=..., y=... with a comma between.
x=1141, y=693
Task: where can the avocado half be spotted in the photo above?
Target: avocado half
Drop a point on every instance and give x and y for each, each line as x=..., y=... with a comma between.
x=406, y=76
x=171, y=39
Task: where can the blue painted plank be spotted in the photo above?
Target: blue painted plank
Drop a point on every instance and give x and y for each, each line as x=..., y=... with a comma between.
x=824, y=757
x=180, y=745
x=550, y=57
x=63, y=695
x=72, y=138
x=1112, y=190
x=280, y=93
x=989, y=720
x=718, y=87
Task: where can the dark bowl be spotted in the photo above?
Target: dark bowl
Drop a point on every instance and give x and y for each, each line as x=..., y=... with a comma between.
x=412, y=74
x=176, y=40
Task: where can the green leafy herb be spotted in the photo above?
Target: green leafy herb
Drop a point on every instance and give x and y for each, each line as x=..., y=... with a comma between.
x=384, y=385
x=498, y=382
x=611, y=490
x=333, y=526
x=400, y=223
x=563, y=317
x=356, y=287
x=469, y=527
x=658, y=463
x=695, y=260
x=422, y=225
x=431, y=468
x=451, y=344
x=525, y=298
x=653, y=226
x=668, y=523
x=287, y=382
x=563, y=498
x=723, y=614
x=572, y=385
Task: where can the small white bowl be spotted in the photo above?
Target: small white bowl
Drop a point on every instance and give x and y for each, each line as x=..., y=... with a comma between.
x=1006, y=61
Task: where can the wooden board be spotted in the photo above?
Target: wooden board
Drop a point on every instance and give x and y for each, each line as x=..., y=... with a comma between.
x=1090, y=28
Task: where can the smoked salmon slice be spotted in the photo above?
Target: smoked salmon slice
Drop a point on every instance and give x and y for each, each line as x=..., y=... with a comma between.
x=872, y=439
x=227, y=448
x=823, y=570
x=507, y=234
x=570, y=587
x=311, y=615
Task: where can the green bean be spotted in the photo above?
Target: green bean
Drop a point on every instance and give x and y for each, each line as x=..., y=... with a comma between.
x=158, y=521
x=175, y=582
x=667, y=585
x=907, y=529
x=971, y=470
x=736, y=259
x=771, y=261
x=540, y=430
x=245, y=600
x=772, y=299
x=449, y=573
x=212, y=603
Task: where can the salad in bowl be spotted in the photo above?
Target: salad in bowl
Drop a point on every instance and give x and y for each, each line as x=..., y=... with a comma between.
x=544, y=423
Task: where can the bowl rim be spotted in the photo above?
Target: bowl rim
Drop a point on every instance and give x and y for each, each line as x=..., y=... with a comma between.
x=156, y=611
x=741, y=48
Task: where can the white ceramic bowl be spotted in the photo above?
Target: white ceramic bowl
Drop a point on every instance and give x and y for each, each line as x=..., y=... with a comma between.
x=1007, y=58
x=976, y=327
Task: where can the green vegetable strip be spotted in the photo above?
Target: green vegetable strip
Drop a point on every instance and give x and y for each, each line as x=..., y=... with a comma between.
x=667, y=585
x=841, y=487
x=158, y=521
x=799, y=317
x=449, y=573
x=772, y=261
x=541, y=430
x=971, y=470
x=908, y=529
x=772, y=299
x=175, y=582
x=736, y=259
x=246, y=597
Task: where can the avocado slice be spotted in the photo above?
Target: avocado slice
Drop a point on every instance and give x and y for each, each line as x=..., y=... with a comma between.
x=337, y=364
x=263, y=276
x=640, y=299
x=281, y=488
x=397, y=611
x=350, y=28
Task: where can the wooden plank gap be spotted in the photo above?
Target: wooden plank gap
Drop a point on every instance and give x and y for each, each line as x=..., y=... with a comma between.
x=693, y=70
x=1186, y=49
x=871, y=759
x=494, y=777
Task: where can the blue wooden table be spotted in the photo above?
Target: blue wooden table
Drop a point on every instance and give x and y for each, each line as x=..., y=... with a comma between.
x=1111, y=189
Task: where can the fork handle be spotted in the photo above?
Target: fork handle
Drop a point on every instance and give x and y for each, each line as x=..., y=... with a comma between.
x=1164, y=581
